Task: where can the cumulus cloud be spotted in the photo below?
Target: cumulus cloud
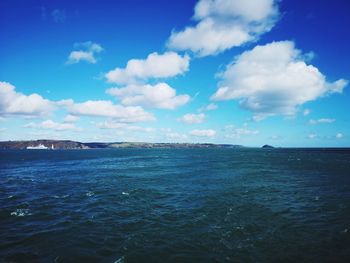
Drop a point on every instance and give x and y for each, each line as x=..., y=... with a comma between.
x=203, y=133
x=235, y=132
x=312, y=136
x=123, y=126
x=70, y=119
x=77, y=56
x=223, y=24
x=273, y=79
x=339, y=136
x=16, y=103
x=90, y=46
x=323, y=120
x=241, y=131
x=155, y=65
x=192, y=118
x=51, y=125
x=176, y=136
x=209, y=107
x=160, y=96
x=87, y=51
x=306, y=112
x=64, y=103
x=33, y=105
x=173, y=135
x=103, y=108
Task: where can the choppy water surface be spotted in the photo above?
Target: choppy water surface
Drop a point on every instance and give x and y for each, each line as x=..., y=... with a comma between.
x=175, y=205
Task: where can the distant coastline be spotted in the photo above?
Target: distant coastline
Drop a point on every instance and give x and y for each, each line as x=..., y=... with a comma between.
x=44, y=144
x=70, y=145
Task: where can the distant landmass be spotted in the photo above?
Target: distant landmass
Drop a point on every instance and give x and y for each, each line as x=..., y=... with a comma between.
x=67, y=144
x=267, y=146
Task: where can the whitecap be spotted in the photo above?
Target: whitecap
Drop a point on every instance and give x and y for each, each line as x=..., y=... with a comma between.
x=125, y=193
x=120, y=260
x=90, y=193
x=21, y=212
x=59, y=197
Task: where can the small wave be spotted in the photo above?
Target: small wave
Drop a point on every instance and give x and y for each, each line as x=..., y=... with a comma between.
x=90, y=193
x=120, y=260
x=125, y=193
x=60, y=197
x=21, y=212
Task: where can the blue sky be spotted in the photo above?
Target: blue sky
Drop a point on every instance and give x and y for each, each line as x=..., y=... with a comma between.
x=245, y=72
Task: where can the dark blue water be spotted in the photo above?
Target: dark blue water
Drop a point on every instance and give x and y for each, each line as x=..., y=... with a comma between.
x=175, y=205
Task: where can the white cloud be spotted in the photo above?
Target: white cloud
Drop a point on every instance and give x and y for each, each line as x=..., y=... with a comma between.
x=87, y=53
x=176, y=136
x=165, y=130
x=160, y=96
x=306, y=112
x=339, y=136
x=70, y=119
x=155, y=65
x=241, y=131
x=192, y=118
x=51, y=125
x=64, y=103
x=77, y=56
x=16, y=103
x=273, y=79
x=173, y=135
x=203, y=133
x=89, y=46
x=312, y=136
x=233, y=132
x=103, y=108
x=123, y=126
x=323, y=120
x=209, y=107
x=223, y=24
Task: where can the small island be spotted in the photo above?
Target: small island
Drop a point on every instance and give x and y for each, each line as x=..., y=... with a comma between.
x=266, y=146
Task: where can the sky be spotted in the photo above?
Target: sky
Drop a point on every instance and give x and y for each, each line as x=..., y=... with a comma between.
x=247, y=72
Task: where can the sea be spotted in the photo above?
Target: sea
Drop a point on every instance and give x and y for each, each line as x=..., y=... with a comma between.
x=175, y=205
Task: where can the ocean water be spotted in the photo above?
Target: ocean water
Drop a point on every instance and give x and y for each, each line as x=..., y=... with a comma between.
x=175, y=205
